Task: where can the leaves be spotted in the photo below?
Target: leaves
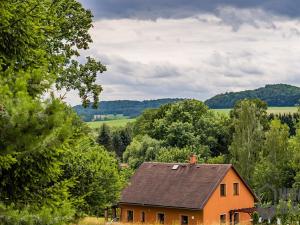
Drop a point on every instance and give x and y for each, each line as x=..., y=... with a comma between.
x=43, y=38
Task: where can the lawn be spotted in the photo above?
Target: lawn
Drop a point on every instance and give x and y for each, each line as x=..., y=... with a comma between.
x=112, y=123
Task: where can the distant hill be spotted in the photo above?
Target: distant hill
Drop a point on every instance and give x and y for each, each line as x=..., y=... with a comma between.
x=126, y=107
x=274, y=95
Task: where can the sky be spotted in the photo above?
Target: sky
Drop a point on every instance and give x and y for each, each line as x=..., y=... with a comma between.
x=193, y=48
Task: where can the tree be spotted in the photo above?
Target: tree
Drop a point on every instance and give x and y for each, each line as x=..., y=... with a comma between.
x=97, y=182
x=294, y=148
x=274, y=167
x=117, y=144
x=121, y=138
x=187, y=123
x=182, y=155
x=41, y=40
x=32, y=134
x=248, y=119
x=141, y=149
x=104, y=137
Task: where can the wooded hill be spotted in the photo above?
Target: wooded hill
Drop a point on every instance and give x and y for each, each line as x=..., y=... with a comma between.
x=126, y=107
x=273, y=95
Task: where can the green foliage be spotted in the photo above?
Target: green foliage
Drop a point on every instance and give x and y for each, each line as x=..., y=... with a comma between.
x=248, y=119
x=43, y=216
x=121, y=138
x=43, y=152
x=274, y=167
x=104, y=137
x=43, y=38
x=217, y=160
x=116, y=139
x=145, y=148
x=97, y=181
x=273, y=95
x=181, y=155
x=294, y=148
x=188, y=123
x=290, y=119
x=288, y=212
x=141, y=149
x=32, y=134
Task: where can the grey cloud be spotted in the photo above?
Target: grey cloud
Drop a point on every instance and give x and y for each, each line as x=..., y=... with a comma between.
x=135, y=80
x=153, y=9
x=195, y=58
x=237, y=17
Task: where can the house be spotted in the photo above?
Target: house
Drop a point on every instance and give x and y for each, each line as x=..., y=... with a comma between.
x=187, y=194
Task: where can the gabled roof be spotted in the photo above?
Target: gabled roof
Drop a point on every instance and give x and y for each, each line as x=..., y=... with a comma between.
x=188, y=186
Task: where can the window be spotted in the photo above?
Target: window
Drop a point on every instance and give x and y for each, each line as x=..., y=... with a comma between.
x=236, y=218
x=143, y=217
x=236, y=190
x=129, y=216
x=223, y=189
x=161, y=218
x=184, y=220
x=223, y=219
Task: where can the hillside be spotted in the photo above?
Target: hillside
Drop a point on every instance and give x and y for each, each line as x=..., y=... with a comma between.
x=274, y=95
x=127, y=108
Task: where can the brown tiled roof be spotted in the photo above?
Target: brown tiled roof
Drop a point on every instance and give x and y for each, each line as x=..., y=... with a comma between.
x=188, y=186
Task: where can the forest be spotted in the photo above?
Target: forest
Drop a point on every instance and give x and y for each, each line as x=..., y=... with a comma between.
x=54, y=171
x=273, y=95
x=127, y=108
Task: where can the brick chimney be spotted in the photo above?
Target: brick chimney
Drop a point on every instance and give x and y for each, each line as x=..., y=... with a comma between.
x=193, y=159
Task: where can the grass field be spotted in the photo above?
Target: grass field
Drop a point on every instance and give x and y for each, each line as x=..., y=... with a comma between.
x=91, y=221
x=275, y=110
x=113, y=123
x=282, y=110
x=123, y=122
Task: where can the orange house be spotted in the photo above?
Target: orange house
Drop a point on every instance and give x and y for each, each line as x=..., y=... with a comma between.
x=187, y=194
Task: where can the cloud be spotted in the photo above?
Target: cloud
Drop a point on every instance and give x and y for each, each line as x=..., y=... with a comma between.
x=205, y=53
x=154, y=9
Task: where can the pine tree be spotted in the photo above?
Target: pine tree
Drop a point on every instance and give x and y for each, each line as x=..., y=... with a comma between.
x=104, y=137
x=117, y=144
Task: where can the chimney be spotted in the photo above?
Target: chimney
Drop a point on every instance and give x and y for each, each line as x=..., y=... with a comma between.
x=193, y=159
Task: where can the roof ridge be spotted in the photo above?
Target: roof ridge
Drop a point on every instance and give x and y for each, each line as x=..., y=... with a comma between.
x=198, y=164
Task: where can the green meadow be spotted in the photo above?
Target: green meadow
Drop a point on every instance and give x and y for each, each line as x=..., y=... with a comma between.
x=275, y=110
x=112, y=123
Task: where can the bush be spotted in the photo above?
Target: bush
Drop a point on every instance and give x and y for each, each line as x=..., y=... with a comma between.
x=29, y=216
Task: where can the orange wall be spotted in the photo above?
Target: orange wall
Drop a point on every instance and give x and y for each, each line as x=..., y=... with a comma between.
x=218, y=205
x=172, y=216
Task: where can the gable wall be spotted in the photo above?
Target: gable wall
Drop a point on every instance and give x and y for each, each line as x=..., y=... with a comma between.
x=172, y=216
x=218, y=205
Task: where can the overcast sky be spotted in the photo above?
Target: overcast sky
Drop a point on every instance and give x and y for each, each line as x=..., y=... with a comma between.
x=193, y=49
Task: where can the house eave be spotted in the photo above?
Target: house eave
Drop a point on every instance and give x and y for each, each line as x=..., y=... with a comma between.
x=159, y=206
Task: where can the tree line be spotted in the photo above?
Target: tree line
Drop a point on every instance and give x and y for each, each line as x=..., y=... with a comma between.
x=273, y=95
x=127, y=108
